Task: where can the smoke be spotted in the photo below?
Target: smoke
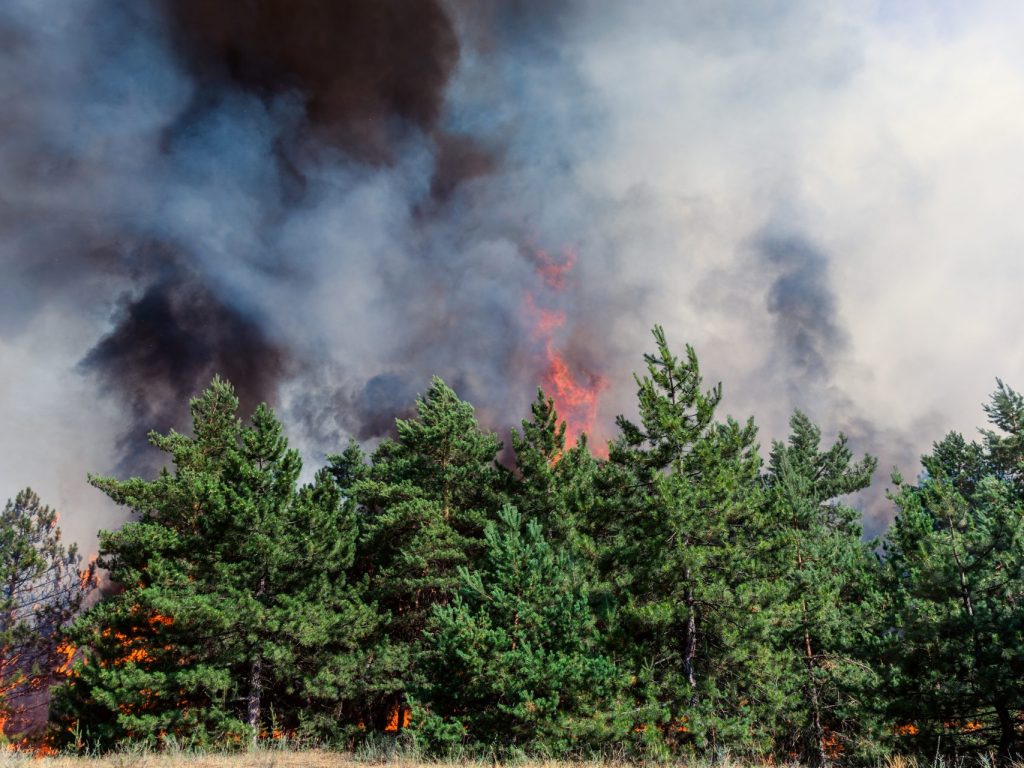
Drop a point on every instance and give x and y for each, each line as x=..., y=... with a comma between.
x=366, y=71
x=811, y=359
x=167, y=344
x=330, y=201
x=803, y=308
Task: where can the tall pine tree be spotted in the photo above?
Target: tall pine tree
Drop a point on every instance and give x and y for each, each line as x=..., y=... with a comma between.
x=42, y=587
x=422, y=504
x=234, y=612
x=825, y=577
x=682, y=518
x=955, y=569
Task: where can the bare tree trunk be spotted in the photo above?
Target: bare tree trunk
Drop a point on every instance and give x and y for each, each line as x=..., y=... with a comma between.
x=690, y=647
x=817, y=756
x=1009, y=750
x=255, y=698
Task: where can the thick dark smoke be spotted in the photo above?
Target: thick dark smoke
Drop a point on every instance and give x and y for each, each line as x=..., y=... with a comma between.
x=802, y=305
x=365, y=70
x=167, y=344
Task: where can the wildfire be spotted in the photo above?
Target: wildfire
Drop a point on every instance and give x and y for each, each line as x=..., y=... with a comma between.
x=574, y=391
x=132, y=653
x=552, y=271
x=393, y=719
x=67, y=650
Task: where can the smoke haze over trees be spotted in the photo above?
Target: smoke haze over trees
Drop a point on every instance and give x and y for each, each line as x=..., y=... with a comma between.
x=330, y=202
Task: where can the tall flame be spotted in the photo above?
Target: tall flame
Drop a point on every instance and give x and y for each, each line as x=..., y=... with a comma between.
x=575, y=391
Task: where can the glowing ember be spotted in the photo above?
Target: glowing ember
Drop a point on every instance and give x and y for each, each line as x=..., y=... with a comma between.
x=574, y=391
x=129, y=642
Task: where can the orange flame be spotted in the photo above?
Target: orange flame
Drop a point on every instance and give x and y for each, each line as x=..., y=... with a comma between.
x=554, y=273
x=392, y=724
x=132, y=651
x=575, y=400
x=68, y=651
x=575, y=392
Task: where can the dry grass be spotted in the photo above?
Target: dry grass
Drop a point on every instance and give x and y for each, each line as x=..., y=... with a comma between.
x=255, y=759
x=275, y=758
x=314, y=758
x=261, y=758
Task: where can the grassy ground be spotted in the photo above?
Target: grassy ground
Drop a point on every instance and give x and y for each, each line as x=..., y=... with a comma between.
x=256, y=759
x=272, y=758
x=313, y=758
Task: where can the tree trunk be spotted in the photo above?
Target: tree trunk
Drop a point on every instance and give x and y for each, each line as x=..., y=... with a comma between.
x=1009, y=749
x=255, y=696
x=817, y=755
x=690, y=645
x=255, y=699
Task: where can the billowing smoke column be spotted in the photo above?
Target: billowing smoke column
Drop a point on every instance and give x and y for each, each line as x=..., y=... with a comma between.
x=276, y=192
x=176, y=334
x=329, y=201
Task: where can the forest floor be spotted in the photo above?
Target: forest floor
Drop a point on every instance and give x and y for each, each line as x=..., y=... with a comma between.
x=314, y=758
x=276, y=758
x=257, y=759
x=260, y=758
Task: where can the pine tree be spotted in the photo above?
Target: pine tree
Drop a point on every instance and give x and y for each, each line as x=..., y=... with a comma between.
x=682, y=527
x=556, y=486
x=422, y=504
x=235, y=612
x=826, y=580
x=955, y=567
x=42, y=587
x=514, y=662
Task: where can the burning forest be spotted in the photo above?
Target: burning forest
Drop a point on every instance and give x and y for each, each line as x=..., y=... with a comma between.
x=437, y=590
x=318, y=319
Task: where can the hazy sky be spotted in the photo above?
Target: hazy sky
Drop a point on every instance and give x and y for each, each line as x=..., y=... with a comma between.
x=823, y=198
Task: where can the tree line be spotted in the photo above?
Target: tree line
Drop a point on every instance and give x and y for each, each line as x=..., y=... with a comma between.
x=683, y=597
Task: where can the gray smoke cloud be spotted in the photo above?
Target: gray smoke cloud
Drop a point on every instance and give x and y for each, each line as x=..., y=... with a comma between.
x=328, y=202
x=803, y=308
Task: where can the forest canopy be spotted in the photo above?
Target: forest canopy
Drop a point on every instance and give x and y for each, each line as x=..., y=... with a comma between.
x=685, y=596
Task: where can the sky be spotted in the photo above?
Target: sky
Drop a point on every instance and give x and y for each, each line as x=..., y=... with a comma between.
x=330, y=202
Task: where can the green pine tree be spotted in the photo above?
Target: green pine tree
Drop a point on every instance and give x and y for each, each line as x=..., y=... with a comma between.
x=954, y=560
x=682, y=530
x=514, y=662
x=422, y=504
x=556, y=486
x=235, y=612
x=826, y=581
